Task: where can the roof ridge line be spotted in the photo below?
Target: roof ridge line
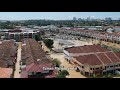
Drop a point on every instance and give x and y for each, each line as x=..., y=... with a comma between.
x=99, y=59
x=116, y=56
x=82, y=50
x=4, y=72
x=31, y=66
x=108, y=57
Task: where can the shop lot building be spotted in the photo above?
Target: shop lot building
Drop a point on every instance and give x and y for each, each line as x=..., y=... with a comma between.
x=18, y=35
x=93, y=59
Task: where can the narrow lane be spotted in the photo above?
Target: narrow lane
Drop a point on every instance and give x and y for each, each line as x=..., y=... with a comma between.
x=17, y=65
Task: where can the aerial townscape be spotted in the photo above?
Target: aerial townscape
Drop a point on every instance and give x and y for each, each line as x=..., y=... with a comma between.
x=60, y=48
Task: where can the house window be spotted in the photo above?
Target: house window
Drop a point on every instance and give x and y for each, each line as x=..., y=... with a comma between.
x=97, y=68
x=116, y=65
x=111, y=66
x=100, y=67
x=93, y=68
x=82, y=66
x=90, y=68
x=107, y=66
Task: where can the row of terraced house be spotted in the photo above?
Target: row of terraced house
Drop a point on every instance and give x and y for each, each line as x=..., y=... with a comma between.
x=8, y=55
x=106, y=36
x=34, y=60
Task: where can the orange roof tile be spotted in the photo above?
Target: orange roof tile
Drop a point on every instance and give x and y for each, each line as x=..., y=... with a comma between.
x=5, y=72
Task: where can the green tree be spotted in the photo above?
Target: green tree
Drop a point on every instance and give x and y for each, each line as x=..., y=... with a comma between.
x=48, y=43
x=56, y=62
x=94, y=75
x=37, y=38
x=63, y=74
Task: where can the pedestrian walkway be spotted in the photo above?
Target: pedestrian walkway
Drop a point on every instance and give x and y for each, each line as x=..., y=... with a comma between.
x=17, y=65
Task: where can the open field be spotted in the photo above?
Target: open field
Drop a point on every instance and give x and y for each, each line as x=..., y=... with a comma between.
x=73, y=73
x=60, y=56
x=80, y=43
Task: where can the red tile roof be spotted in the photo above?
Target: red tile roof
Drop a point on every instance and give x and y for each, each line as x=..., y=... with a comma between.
x=32, y=51
x=99, y=58
x=7, y=53
x=118, y=54
x=86, y=49
x=24, y=74
x=5, y=72
x=33, y=57
x=34, y=68
x=112, y=57
x=90, y=59
x=103, y=57
x=3, y=63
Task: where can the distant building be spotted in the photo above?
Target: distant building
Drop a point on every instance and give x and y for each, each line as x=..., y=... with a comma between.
x=117, y=28
x=89, y=18
x=74, y=18
x=79, y=19
x=20, y=34
x=110, y=30
x=108, y=19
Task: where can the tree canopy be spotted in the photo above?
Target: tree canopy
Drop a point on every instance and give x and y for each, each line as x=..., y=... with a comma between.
x=48, y=43
x=63, y=74
x=59, y=23
x=38, y=37
x=56, y=62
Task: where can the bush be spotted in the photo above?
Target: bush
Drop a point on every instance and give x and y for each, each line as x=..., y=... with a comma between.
x=94, y=75
x=63, y=74
x=37, y=38
x=56, y=62
x=48, y=43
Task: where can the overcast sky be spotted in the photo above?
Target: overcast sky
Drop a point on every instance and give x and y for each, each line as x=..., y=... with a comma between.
x=56, y=15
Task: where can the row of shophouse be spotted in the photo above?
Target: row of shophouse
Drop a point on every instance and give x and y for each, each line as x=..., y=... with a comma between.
x=19, y=34
x=106, y=36
x=93, y=59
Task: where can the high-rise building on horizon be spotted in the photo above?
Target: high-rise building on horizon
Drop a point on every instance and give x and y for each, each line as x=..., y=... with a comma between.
x=108, y=19
x=74, y=18
x=79, y=19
